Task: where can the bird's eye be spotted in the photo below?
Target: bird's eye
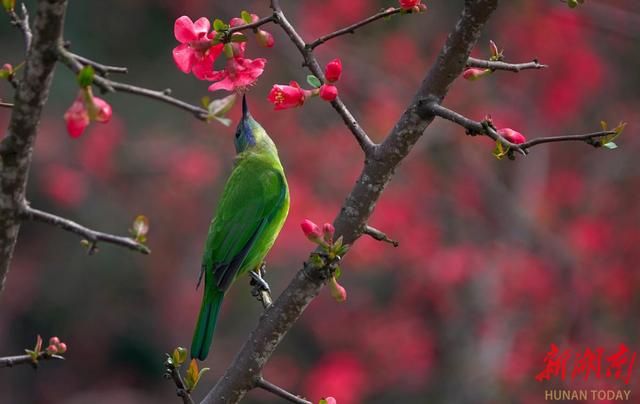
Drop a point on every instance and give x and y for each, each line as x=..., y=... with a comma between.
x=238, y=133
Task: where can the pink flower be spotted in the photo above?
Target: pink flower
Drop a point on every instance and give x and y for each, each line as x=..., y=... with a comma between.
x=62, y=347
x=84, y=109
x=195, y=52
x=328, y=231
x=333, y=70
x=328, y=92
x=77, y=118
x=512, y=135
x=330, y=400
x=265, y=39
x=475, y=73
x=284, y=97
x=409, y=4
x=337, y=291
x=311, y=230
x=240, y=74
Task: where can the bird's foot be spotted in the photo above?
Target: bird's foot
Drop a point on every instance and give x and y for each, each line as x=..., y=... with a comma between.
x=261, y=289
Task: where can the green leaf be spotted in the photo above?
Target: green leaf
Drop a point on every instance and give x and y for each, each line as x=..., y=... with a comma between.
x=223, y=121
x=140, y=228
x=246, y=16
x=219, y=25
x=205, y=101
x=606, y=140
x=322, y=401
x=85, y=76
x=610, y=145
x=9, y=5
x=193, y=375
x=338, y=273
x=179, y=356
x=238, y=37
x=313, y=81
x=500, y=151
x=218, y=108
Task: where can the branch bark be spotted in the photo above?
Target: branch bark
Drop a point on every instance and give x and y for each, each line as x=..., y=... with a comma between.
x=245, y=371
x=17, y=146
x=498, y=65
x=11, y=361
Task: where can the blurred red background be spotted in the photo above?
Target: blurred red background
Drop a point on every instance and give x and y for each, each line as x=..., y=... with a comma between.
x=497, y=259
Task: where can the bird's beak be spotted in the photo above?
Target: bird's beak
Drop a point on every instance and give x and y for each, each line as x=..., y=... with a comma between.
x=245, y=108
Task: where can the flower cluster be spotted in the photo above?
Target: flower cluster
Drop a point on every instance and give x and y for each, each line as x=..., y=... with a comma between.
x=474, y=73
x=200, y=47
x=333, y=249
x=56, y=347
x=84, y=109
x=292, y=95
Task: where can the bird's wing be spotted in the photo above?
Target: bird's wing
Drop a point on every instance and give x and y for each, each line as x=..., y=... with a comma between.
x=252, y=195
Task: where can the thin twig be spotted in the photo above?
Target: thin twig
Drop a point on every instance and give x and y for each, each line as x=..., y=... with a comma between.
x=105, y=84
x=367, y=145
x=280, y=392
x=498, y=65
x=10, y=361
x=587, y=137
x=378, y=235
x=90, y=235
x=474, y=127
x=6, y=105
x=23, y=24
x=352, y=28
x=252, y=25
x=100, y=68
x=181, y=389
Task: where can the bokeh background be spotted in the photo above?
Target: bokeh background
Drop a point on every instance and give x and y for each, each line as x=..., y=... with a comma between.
x=498, y=259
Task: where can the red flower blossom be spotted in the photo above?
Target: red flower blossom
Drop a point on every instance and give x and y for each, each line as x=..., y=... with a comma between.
x=240, y=74
x=512, y=135
x=311, y=230
x=283, y=96
x=328, y=92
x=195, y=52
x=333, y=70
x=475, y=73
x=84, y=109
x=409, y=4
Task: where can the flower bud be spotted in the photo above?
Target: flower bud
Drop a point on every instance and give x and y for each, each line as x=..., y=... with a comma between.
x=6, y=71
x=54, y=341
x=62, y=347
x=328, y=231
x=409, y=4
x=284, y=97
x=311, y=230
x=264, y=38
x=102, y=112
x=512, y=135
x=493, y=48
x=52, y=349
x=475, y=73
x=333, y=70
x=328, y=92
x=337, y=291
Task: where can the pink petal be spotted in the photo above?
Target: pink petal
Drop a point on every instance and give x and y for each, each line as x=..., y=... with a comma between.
x=203, y=66
x=183, y=55
x=201, y=26
x=184, y=30
x=225, y=84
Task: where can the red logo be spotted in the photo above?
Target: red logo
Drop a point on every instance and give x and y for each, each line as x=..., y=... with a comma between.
x=617, y=365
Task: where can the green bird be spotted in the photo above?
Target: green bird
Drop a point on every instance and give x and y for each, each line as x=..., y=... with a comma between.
x=249, y=216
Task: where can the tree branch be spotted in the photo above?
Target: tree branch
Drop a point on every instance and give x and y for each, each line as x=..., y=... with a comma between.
x=351, y=29
x=475, y=127
x=23, y=24
x=378, y=235
x=498, y=65
x=17, y=146
x=6, y=105
x=11, y=361
x=100, y=68
x=181, y=389
x=253, y=25
x=276, y=321
x=312, y=64
x=70, y=60
x=280, y=392
x=90, y=235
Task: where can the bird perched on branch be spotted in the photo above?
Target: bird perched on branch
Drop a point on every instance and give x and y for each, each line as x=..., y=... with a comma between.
x=249, y=216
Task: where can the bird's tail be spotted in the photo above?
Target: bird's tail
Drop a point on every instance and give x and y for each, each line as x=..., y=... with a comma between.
x=203, y=334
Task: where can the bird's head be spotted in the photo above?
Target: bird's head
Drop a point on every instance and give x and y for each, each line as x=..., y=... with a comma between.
x=250, y=135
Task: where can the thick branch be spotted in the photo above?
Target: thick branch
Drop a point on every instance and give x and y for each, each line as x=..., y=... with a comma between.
x=23, y=24
x=312, y=63
x=351, y=29
x=105, y=84
x=280, y=392
x=17, y=146
x=11, y=361
x=6, y=105
x=275, y=322
x=90, y=235
x=498, y=65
